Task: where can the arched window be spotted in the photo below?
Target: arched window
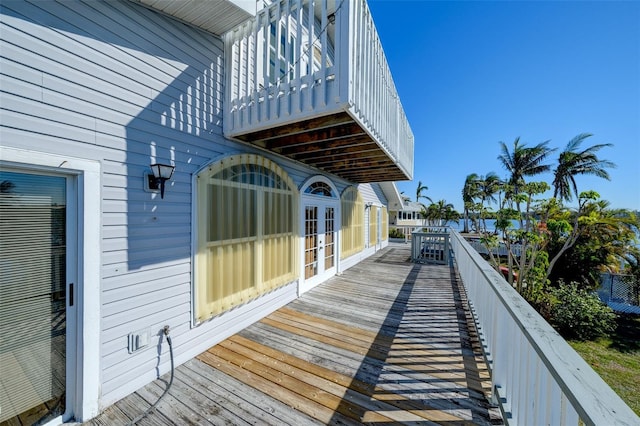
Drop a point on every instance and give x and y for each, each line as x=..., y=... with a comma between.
x=320, y=188
x=247, y=209
x=352, y=226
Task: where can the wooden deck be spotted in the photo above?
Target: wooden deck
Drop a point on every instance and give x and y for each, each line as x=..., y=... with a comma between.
x=387, y=342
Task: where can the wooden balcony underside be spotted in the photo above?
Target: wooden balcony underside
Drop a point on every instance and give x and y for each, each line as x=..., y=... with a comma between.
x=387, y=342
x=335, y=144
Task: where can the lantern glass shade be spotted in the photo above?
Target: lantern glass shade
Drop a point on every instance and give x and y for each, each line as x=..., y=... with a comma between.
x=161, y=174
x=162, y=171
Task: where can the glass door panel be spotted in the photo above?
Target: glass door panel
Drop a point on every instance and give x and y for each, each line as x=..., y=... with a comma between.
x=329, y=238
x=33, y=315
x=320, y=239
x=311, y=241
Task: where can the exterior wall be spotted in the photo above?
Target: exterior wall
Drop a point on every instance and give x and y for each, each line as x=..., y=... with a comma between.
x=118, y=84
x=371, y=193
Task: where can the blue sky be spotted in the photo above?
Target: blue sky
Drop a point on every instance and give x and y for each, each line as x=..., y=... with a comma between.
x=471, y=74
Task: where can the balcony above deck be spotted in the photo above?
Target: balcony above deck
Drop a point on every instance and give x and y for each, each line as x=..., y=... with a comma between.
x=215, y=16
x=308, y=79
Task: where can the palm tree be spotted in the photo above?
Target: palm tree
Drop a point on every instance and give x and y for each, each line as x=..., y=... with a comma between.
x=468, y=196
x=524, y=161
x=420, y=190
x=487, y=188
x=572, y=162
x=441, y=213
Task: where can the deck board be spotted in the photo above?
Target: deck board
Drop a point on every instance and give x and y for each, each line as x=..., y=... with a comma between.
x=387, y=342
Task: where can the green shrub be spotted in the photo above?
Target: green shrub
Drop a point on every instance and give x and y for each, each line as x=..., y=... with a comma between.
x=578, y=314
x=395, y=233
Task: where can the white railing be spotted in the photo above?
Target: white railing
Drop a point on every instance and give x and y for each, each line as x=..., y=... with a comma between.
x=300, y=59
x=431, y=245
x=538, y=379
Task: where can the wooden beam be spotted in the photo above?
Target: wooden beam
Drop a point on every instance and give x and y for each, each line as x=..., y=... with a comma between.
x=333, y=143
x=300, y=127
x=315, y=136
x=331, y=152
x=353, y=156
x=355, y=164
x=382, y=175
x=318, y=147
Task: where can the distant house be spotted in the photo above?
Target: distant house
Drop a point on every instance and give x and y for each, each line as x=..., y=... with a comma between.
x=406, y=216
x=285, y=133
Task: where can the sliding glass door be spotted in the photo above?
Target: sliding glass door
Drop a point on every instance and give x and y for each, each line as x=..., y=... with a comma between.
x=35, y=295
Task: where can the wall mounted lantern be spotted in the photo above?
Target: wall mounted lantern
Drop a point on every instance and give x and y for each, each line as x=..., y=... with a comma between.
x=161, y=174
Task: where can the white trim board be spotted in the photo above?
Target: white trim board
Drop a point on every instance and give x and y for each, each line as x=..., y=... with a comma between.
x=87, y=172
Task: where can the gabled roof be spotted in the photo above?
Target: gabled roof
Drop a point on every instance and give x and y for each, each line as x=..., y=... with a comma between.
x=411, y=206
x=394, y=199
x=215, y=16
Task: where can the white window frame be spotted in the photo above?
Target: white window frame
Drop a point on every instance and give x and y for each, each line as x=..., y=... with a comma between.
x=86, y=389
x=257, y=159
x=320, y=201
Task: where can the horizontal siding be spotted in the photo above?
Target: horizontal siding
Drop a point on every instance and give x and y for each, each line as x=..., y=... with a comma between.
x=120, y=84
x=372, y=193
x=379, y=194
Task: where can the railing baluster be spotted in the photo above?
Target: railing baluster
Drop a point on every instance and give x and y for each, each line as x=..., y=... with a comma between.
x=275, y=78
x=252, y=97
x=311, y=31
x=285, y=106
x=266, y=33
x=554, y=401
x=275, y=86
x=244, y=62
x=540, y=379
x=324, y=44
x=572, y=417
x=298, y=57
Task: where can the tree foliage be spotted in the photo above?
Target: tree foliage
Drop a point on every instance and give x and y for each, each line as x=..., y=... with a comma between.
x=420, y=190
x=524, y=161
x=468, y=195
x=606, y=239
x=440, y=213
x=552, y=243
x=573, y=162
x=579, y=314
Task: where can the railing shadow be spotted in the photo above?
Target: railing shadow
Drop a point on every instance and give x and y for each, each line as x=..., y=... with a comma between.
x=426, y=356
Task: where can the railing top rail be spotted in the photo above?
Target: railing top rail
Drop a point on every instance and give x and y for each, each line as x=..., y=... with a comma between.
x=590, y=396
x=440, y=228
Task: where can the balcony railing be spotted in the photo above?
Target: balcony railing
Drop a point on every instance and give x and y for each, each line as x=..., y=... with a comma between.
x=537, y=377
x=430, y=245
x=309, y=79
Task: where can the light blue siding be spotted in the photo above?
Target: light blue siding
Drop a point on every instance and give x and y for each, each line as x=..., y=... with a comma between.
x=120, y=84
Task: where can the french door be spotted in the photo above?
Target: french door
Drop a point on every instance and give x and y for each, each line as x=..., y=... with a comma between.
x=37, y=262
x=320, y=238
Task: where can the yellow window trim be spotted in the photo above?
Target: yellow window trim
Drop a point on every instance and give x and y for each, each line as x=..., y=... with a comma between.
x=246, y=253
